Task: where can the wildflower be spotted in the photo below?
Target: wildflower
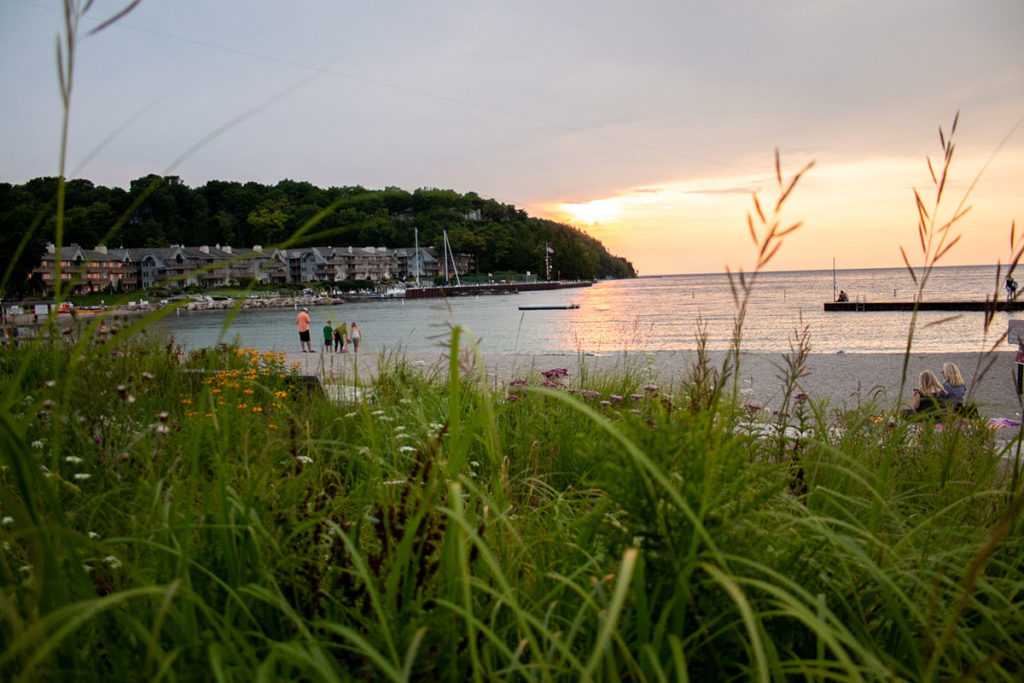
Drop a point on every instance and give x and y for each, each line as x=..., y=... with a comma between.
x=637, y=397
x=555, y=373
x=395, y=482
x=73, y=459
x=50, y=384
x=589, y=393
x=800, y=398
x=7, y=520
x=186, y=401
x=752, y=406
x=512, y=398
x=112, y=562
x=407, y=449
x=97, y=440
x=305, y=459
x=48, y=404
x=163, y=416
x=605, y=404
x=651, y=388
x=517, y=383
x=549, y=384
x=37, y=444
x=615, y=397
x=147, y=376
x=25, y=568
x=81, y=476
x=271, y=426
x=93, y=534
x=160, y=429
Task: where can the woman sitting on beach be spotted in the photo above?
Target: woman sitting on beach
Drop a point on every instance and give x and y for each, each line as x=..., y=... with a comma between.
x=953, y=388
x=927, y=397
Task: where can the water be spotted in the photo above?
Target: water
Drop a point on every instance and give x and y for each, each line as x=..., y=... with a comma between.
x=646, y=314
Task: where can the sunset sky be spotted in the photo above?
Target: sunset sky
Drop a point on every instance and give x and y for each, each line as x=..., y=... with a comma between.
x=647, y=124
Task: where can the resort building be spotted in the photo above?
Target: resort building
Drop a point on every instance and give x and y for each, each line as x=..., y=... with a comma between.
x=104, y=269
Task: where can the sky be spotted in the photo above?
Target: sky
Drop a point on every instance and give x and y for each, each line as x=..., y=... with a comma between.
x=651, y=125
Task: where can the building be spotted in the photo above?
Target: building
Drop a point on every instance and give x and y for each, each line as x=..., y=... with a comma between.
x=102, y=269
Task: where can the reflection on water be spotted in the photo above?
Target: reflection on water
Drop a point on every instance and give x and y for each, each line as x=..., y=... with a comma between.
x=646, y=314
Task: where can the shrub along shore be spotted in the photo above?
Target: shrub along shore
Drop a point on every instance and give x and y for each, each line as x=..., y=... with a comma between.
x=183, y=514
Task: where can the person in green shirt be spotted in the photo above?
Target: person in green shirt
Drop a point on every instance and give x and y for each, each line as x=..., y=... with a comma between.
x=328, y=336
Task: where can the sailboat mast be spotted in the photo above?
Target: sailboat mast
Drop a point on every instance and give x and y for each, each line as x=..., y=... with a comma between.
x=416, y=237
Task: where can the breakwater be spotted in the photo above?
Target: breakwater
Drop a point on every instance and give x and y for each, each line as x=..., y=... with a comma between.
x=491, y=288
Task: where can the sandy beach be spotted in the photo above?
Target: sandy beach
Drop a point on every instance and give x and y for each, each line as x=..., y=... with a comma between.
x=843, y=380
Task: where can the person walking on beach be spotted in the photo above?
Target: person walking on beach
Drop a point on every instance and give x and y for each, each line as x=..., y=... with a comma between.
x=355, y=335
x=340, y=332
x=303, y=322
x=328, y=336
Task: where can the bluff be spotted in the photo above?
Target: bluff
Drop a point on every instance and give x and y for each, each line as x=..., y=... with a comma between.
x=161, y=211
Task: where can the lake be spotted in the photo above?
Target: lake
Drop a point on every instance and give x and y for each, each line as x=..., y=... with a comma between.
x=649, y=314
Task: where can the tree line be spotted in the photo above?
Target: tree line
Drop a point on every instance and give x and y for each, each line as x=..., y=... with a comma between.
x=158, y=211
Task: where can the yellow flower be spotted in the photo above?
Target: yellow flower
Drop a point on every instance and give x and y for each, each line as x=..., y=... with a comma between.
x=186, y=401
x=271, y=426
x=257, y=409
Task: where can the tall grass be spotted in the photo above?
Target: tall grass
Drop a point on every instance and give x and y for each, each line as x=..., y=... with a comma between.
x=194, y=516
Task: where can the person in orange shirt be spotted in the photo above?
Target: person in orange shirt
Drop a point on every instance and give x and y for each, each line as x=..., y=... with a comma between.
x=303, y=321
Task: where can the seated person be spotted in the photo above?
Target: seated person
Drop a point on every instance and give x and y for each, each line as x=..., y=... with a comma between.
x=953, y=388
x=927, y=397
x=843, y=296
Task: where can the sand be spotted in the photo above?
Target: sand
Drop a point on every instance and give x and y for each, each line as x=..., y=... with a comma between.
x=840, y=380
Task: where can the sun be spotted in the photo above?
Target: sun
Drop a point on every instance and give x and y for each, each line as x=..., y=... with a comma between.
x=594, y=212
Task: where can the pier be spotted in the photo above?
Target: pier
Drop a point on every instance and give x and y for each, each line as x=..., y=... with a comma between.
x=875, y=306
x=491, y=288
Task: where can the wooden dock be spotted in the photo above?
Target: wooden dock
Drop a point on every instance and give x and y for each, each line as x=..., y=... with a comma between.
x=875, y=306
x=491, y=288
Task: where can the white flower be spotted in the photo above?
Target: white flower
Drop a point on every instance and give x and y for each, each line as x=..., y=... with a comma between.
x=304, y=459
x=25, y=568
x=407, y=449
x=112, y=562
x=93, y=534
x=399, y=428
x=396, y=482
x=37, y=444
x=81, y=476
x=7, y=521
x=73, y=459
x=436, y=426
x=353, y=414
x=378, y=412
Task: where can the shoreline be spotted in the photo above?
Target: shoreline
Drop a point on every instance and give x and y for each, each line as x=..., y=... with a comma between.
x=844, y=381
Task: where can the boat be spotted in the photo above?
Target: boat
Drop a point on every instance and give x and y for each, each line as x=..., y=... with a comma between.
x=548, y=307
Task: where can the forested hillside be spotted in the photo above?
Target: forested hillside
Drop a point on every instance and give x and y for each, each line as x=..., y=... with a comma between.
x=160, y=211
